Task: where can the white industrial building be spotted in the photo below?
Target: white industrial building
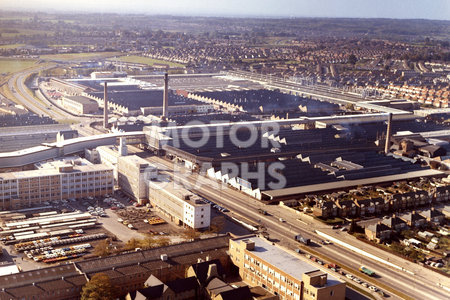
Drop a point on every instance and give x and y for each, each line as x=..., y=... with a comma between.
x=181, y=205
x=134, y=172
x=63, y=181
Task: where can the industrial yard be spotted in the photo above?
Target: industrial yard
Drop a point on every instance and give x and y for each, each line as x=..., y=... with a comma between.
x=72, y=230
x=47, y=235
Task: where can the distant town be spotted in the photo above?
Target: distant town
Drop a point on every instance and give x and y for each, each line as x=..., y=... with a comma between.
x=170, y=157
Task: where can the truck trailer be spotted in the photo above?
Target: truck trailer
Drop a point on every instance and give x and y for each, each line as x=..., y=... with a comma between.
x=302, y=239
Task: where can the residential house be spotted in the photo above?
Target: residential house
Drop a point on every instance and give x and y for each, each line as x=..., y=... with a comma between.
x=325, y=209
x=413, y=219
x=442, y=193
x=399, y=202
x=395, y=223
x=206, y=271
x=378, y=232
x=347, y=208
x=217, y=289
x=366, y=207
x=433, y=216
x=380, y=205
x=425, y=198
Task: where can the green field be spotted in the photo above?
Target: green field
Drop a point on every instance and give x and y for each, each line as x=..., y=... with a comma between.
x=15, y=65
x=25, y=32
x=12, y=46
x=149, y=61
x=18, y=18
x=66, y=45
x=79, y=56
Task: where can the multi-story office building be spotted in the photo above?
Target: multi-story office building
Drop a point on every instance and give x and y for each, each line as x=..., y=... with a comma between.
x=261, y=263
x=181, y=205
x=21, y=189
x=133, y=174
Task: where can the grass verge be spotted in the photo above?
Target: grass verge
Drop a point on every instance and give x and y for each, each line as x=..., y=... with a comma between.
x=8, y=65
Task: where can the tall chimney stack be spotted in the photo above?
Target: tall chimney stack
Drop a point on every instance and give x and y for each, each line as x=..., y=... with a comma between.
x=105, y=108
x=166, y=96
x=388, y=134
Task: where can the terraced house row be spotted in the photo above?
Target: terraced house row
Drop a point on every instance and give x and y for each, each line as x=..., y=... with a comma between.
x=347, y=206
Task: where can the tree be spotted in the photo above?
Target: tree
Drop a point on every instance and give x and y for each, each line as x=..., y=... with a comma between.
x=148, y=243
x=162, y=242
x=217, y=224
x=102, y=249
x=98, y=288
x=191, y=234
x=132, y=244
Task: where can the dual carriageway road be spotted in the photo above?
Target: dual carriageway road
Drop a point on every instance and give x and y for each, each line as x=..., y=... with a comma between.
x=421, y=285
x=44, y=107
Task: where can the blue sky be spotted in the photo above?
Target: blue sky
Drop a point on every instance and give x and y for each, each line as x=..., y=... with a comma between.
x=403, y=9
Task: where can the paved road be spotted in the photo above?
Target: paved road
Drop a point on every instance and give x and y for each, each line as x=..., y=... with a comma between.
x=122, y=232
x=420, y=286
x=45, y=107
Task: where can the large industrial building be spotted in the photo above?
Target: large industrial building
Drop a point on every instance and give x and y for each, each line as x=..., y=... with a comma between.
x=271, y=102
x=181, y=205
x=261, y=263
x=22, y=137
x=133, y=175
x=79, y=105
x=341, y=155
x=23, y=189
x=127, y=271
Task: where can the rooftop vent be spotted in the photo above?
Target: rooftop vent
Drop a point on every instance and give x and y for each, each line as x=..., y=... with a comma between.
x=164, y=257
x=249, y=244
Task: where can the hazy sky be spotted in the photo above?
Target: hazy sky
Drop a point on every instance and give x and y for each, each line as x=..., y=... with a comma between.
x=404, y=9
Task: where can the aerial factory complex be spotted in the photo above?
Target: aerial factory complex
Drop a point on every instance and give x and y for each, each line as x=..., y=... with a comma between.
x=172, y=162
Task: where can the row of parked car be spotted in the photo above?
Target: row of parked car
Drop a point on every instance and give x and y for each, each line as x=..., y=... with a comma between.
x=216, y=206
x=337, y=269
x=114, y=203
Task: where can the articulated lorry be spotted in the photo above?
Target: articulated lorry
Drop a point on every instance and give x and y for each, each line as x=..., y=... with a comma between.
x=366, y=271
x=302, y=239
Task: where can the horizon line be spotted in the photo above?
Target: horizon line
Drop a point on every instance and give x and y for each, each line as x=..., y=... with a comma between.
x=231, y=16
